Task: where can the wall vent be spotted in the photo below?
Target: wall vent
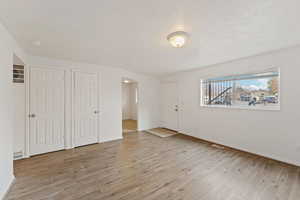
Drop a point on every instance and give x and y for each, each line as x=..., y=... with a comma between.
x=18, y=155
x=18, y=74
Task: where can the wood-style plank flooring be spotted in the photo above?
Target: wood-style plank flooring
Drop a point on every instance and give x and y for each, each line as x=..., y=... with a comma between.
x=129, y=124
x=147, y=167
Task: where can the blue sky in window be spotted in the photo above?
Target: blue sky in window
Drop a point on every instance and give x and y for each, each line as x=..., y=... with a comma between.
x=254, y=84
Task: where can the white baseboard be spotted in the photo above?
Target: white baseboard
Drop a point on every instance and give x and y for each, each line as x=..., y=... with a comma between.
x=9, y=188
x=239, y=148
x=110, y=139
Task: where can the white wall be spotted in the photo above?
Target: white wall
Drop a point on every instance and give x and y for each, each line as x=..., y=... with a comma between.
x=19, y=115
x=273, y=134
x=133, y=103
x=19, y=111
x=126, y=101
x=8, y=48
x=129, y=106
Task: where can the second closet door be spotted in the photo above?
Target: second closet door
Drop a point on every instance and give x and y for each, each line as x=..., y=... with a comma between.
x=85, y=108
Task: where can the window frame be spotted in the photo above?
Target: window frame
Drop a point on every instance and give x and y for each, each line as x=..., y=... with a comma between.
x=267, y=108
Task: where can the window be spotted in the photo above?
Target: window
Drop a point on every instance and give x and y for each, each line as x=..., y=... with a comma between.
x=255, y=91
x=18, y=74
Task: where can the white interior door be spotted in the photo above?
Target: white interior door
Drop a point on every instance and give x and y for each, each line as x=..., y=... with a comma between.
x=85, y=107
x=47, y=110
x=170, y=106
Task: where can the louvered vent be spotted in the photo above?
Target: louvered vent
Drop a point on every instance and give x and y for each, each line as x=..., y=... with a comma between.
x=18, y=74
x=18, y=155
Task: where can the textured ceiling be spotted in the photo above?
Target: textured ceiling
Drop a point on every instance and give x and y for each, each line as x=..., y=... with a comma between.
x=132, y=34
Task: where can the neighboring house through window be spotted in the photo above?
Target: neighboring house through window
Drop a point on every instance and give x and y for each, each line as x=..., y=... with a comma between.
x=256, y=90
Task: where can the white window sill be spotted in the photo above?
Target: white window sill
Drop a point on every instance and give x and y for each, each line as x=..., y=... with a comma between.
x=257, y=107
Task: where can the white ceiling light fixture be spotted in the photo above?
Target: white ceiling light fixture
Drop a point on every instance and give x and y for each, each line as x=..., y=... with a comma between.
x=178, y=39
x=126, y=81
x=37, y=43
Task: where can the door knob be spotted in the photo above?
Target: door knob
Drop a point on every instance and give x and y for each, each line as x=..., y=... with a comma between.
x=176, y=108
x=96, y=111
x=32, y=115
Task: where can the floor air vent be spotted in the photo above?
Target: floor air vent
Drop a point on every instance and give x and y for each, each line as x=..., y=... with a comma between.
x=18, y=155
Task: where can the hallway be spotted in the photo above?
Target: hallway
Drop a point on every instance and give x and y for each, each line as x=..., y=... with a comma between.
x=129, y=125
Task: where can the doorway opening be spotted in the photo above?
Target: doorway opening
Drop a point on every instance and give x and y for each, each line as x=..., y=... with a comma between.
x=129, y=105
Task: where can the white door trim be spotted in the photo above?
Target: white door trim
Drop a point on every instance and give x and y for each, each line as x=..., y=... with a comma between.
x=27, y=111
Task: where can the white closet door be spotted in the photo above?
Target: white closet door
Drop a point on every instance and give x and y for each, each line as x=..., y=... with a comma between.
x=47, y=110
x=85, y=108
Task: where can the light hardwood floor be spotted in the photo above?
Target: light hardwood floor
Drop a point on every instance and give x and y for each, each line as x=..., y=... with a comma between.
x=129, y=124
x=147, y=167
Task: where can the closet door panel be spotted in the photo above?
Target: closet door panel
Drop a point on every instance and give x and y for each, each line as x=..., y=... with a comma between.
x=47, y=110
x=85, y=107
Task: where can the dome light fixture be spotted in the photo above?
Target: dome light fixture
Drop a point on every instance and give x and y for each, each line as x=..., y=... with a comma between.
x=177, y=39
x=37, y=43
